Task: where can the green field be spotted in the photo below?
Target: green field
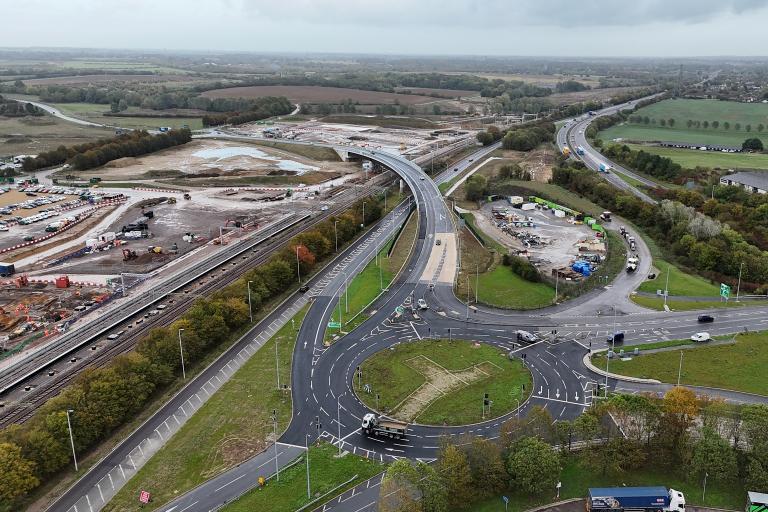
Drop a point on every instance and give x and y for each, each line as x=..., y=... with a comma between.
x=682, y=110
x=691, y=158
x=326, y=472
x=680, y=283
x=93, y=112
x=390, y=376
x=577, y=478
x=739, y=366
x=219, y=436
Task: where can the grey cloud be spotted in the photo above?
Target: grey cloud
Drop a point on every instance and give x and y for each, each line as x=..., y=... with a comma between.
x=479, y=14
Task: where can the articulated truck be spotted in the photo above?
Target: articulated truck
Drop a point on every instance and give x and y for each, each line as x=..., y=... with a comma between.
x=642, y=499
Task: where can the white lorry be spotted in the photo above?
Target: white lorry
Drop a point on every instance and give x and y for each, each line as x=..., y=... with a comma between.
x=383, y=427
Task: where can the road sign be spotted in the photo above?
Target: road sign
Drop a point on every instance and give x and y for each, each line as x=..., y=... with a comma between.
x=334, y=325
x=725, y=290
x=399, y=310
x=505, y=499
x=144, y=497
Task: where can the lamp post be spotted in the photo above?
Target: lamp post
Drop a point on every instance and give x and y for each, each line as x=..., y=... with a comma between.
x=274, y=427
x=346, y=292
x=181, y=353
x=277, y=362
x=306, y=445
x=704, y=491
x=477, y=279
x=613, y=346
x=298, y=266
x=666, y=288
x=738, y=285
x=338, y=418
x=336, y=234
x=680, y=369
x=71, y=437
x=250, y=308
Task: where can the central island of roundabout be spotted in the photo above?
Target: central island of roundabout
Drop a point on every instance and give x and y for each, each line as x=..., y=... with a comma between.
x=443, y=382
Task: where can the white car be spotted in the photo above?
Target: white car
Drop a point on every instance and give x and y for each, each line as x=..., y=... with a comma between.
x=701, y=336
x=422, y=304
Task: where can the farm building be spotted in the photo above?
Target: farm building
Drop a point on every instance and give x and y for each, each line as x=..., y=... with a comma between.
x=756, y=182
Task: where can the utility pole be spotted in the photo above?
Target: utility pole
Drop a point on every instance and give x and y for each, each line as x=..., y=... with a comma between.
x=181, y=352
x=250, y=308
x=72, y=438
x=738, y=285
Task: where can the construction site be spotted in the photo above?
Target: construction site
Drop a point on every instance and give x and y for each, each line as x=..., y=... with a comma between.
x=559, y=241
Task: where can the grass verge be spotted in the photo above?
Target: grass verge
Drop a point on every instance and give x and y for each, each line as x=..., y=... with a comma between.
x=219, y=436
x=657, y=303
x=326, y=472
x=692, y=158
x=391, y=376
x=577, y=478
x=367, y=285
x=680, y=283
x=305, y=150
x=735, y=366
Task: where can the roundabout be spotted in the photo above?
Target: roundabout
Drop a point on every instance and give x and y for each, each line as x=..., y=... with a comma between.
x=442, y=382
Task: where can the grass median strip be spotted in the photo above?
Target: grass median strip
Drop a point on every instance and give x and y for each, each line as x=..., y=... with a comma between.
x=326, y=472
x=680, y=283
x=657, y=303
x=738, y=366
x=219, y=435
x=443, y=382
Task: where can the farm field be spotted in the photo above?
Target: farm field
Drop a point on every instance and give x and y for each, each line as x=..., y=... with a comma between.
x=564, y=98
x=317, y=94
x=691, y=158
x=443, y=93
x=34, y=135
x=94, y=112
x=683, y=110
x=107, y=78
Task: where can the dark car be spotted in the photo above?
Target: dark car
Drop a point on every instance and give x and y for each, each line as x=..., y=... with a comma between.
x=706, y=318
x=618, y=337
x=304, y=289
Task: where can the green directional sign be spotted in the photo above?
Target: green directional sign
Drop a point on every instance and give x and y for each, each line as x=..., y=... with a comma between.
x=334, y=325
x=725, y=290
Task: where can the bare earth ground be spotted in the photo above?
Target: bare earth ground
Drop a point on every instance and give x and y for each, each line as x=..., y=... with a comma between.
x=443, y=93
x=594, y=94
x=317, y=94
x=212, y=157
x=439, y=382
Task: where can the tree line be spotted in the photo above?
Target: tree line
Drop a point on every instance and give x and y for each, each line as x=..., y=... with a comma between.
x=95, y=154
x=104, y=399
x=690, y=238
x=258, y=109
x=695, y=123
x=524, y=137
x=13, y=108
x=684, y=435
x=658, y=166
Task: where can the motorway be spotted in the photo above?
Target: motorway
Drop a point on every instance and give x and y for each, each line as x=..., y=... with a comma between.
x=324, y=383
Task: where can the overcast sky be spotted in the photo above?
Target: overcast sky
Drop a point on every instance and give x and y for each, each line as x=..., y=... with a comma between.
x=486, y=27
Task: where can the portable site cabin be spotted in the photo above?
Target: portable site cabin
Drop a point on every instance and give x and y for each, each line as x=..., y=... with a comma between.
x=757, y=502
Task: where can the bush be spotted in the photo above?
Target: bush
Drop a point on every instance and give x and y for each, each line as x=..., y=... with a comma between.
x=522, y=268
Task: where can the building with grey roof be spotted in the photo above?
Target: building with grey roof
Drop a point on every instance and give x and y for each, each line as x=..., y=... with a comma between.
x=755, y=182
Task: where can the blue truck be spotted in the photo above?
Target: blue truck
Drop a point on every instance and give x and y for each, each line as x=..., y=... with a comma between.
x=648, y=499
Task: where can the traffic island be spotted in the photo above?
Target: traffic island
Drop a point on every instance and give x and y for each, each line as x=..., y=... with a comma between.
x=442, y=382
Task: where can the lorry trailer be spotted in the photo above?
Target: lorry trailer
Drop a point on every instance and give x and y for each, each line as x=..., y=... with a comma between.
x=383, y=427
x=647, y=499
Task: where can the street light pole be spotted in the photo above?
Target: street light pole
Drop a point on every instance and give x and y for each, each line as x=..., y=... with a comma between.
x=680, y=369
x=181, y=352
x=274, y=424
x=338, y=419
x=738, y=285
x=704, y=492
x=72, y=438
x=613, y=346
x=666, y=288
x=346, y=293
x=336, y=234
x=298, y=267
x=250, y=308
x=477, y=279
x=306, y=445
x=277, y=363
